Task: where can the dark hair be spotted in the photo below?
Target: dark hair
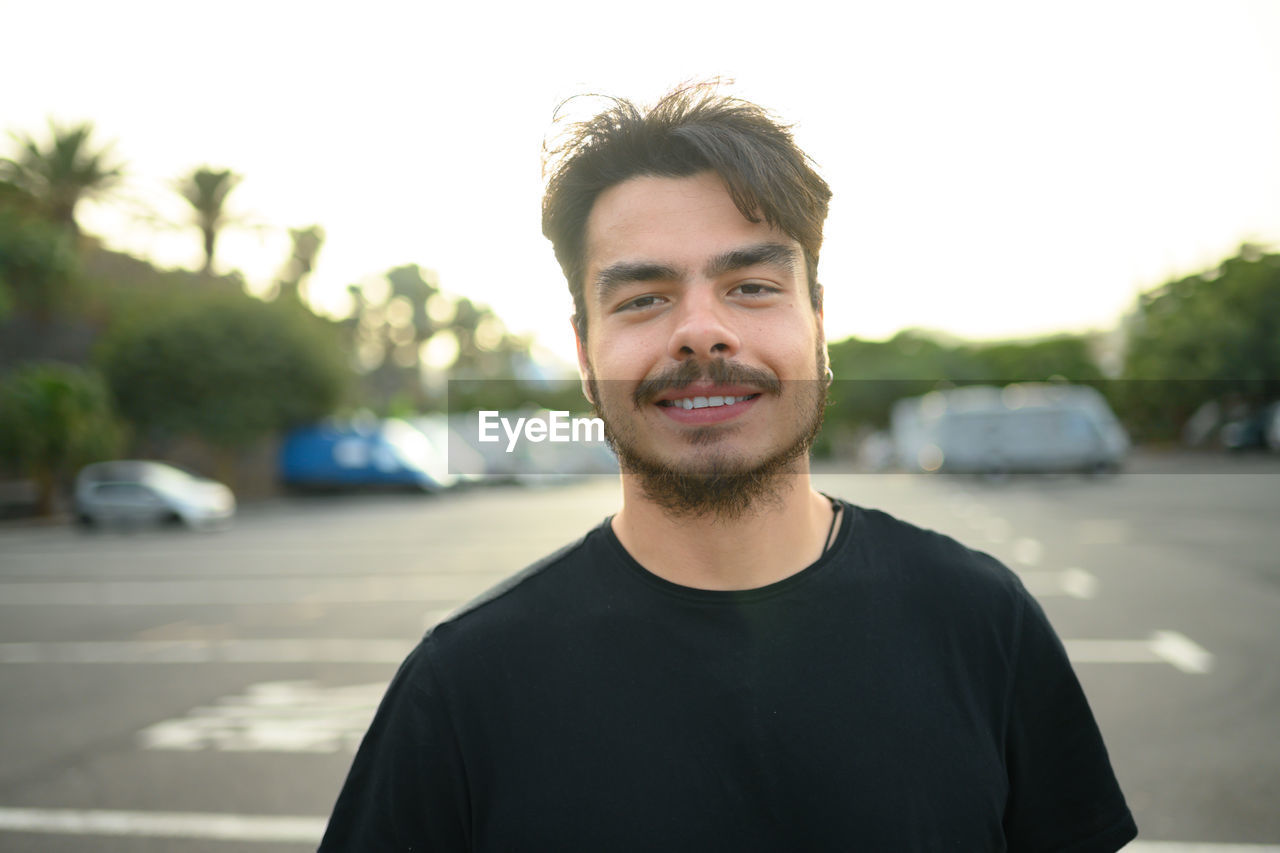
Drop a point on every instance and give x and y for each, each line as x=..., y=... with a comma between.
x=688, y=131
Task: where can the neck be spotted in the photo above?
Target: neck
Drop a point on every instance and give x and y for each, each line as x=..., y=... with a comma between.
x=772, y=540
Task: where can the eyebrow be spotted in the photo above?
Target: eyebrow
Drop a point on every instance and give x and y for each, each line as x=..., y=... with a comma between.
x=616, y=276
x=768, y=254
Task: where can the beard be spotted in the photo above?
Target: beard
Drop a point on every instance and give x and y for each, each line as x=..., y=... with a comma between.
x=720, y=484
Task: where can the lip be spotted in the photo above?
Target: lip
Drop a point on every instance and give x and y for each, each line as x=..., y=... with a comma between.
x=706, y=389
x=709, y=414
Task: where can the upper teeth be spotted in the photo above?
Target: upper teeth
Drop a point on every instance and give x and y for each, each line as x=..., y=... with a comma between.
x=705, y=402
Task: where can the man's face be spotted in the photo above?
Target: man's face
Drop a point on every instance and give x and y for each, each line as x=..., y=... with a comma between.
x=704, y=356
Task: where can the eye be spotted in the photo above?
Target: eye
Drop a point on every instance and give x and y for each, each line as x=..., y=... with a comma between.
x=757, y=289
x=640, y=303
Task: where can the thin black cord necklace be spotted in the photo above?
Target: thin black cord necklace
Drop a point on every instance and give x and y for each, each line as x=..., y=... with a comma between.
x=835, y=516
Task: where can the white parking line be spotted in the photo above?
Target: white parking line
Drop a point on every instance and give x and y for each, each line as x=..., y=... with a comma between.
x=278, y=716
x=1195, y=847
x=1162, y=647
x=1181, y=652
x=210, y=651
x=1079, y=584
x=1074, y=582
x=1027, y=551
x=223, y=827
x=371, y=589
x=308, y=830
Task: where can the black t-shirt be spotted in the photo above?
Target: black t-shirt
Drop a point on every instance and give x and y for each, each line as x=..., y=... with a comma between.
x=902, y=693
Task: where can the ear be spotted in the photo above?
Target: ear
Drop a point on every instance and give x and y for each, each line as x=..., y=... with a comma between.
x=584, y=364
x=822, y=329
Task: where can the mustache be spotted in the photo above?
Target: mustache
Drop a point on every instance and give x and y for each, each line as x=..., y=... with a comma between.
x=719, y=371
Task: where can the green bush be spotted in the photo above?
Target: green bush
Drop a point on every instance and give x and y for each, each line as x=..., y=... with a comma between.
x=1210, y=336
x=55, y=418
x=227, y=368
x=39, y=268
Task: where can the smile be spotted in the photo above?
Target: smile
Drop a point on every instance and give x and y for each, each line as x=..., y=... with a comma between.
x=704, y=402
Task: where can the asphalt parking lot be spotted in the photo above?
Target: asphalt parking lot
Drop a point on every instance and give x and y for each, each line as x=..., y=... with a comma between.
x=171, y=691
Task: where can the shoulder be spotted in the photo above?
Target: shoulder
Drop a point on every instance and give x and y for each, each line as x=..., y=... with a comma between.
x=932, y=576
x=527, y=583
x=920, y=554
x=525, y=605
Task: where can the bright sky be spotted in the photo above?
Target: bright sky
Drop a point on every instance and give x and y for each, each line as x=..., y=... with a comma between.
x=1001, y=169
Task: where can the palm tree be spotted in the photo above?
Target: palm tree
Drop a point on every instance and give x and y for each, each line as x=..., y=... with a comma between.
x=306, y=248
x=206, y=189
x=69, y=169
x=55, y=418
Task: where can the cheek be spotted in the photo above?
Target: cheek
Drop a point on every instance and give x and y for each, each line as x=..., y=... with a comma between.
x=623, y=359
x=796, y=351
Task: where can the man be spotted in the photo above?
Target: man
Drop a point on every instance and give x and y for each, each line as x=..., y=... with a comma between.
x=733, y=661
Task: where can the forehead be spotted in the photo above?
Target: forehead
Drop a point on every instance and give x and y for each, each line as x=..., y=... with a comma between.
x=679, y=222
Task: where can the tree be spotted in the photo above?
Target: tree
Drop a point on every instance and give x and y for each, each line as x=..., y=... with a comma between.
x=55, y=418
x=1214, y=335
x=400, y=316
x=872, y=375
x=226, y=368
x=69, y=169
x=1064, y=356
x=206, y=190
x=306, y=248
x=387, y=329
x=39, y=267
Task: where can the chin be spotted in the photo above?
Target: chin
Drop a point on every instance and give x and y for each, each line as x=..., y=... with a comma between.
x=721, y=471
x=727, y=485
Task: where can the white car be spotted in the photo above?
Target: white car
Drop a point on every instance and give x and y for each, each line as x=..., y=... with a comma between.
x=133, y=492
x=1023, y=427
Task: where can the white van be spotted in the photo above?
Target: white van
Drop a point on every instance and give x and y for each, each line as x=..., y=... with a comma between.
x=1024, y=427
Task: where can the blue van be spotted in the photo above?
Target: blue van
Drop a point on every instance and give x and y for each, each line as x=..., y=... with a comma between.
x=369, y=454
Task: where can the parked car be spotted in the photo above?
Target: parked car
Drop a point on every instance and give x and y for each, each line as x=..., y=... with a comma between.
x=1024, y=427
x=527, y=463
x=465, y=463
x=135, y=491
x=358, y=455
x=1251, y=428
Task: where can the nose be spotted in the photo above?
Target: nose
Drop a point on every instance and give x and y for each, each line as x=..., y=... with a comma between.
x=703, y=327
